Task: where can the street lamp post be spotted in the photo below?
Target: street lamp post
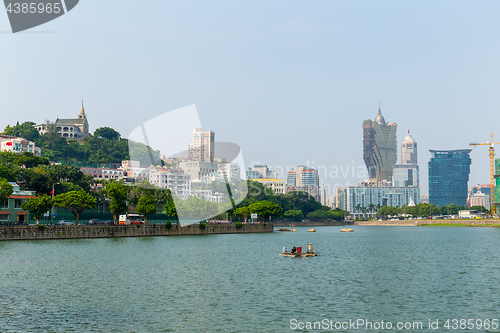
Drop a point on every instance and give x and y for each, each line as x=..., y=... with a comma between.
x=52, y=209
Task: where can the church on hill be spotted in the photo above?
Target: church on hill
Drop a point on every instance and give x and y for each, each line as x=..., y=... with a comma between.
x=70, y=128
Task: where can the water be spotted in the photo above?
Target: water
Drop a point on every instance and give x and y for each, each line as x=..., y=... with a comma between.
x=238, y=283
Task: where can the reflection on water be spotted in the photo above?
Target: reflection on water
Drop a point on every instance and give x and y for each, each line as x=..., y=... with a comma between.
x=238, y=283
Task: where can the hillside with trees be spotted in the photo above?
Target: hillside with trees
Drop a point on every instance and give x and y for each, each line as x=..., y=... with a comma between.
x=104, y=146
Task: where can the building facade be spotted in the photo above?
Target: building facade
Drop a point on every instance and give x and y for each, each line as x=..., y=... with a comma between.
x=11, y=211
x=77, y=128
x=379, y=148
x=103, y=173
x=366, y=200
x=480, y=199
x=199, y=171
x=303, y=179
x=260, y=171
x=409, y=150
x=18, y=145
x=202, y=147
x=449, y=176
x=173, y=179
x=276, y=185
x=406, y=173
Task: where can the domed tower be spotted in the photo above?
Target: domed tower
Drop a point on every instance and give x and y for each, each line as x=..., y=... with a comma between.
x=409, y=150
x=379, y=148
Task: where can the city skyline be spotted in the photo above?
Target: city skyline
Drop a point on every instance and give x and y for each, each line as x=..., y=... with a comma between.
x=251, y=74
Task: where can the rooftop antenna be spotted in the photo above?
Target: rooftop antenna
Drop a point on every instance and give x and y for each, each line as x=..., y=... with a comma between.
x=379, y=105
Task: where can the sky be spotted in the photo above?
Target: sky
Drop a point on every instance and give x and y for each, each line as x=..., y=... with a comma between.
x=290, y=81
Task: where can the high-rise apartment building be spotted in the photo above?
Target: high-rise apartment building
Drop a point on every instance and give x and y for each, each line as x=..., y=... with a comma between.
x=409, y=150
x=202, y=147
x=303, y=179
x=379, y=148
x=174, y=179
x=406, y=173
x=448, y=177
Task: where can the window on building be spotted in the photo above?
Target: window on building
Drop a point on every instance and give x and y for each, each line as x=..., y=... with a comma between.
x=5, y=204
x=18, y=203
x=4, y=217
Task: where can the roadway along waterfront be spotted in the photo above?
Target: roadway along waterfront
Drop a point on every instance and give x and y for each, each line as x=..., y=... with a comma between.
x=238, y=283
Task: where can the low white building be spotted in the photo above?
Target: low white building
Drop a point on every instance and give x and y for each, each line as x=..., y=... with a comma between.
x=467, y=214
x=174, y=179
x=18, y=145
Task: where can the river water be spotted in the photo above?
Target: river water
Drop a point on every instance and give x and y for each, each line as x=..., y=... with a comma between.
x=238, y=283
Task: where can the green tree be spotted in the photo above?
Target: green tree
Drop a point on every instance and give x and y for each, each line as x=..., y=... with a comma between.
x=75, y=201
x=106, y=132
x=5, y=190
x=146, y=206
x=38, y=206
x=294, y=213
x=117, y=192
x=24, y=130
x=198, y=208
x=265, y=209
x=244, y=212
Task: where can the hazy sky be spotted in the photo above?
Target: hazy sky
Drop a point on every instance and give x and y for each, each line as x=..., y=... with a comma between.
x=289, y=81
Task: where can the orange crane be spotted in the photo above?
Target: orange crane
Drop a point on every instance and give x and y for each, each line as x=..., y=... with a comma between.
x=492, y=168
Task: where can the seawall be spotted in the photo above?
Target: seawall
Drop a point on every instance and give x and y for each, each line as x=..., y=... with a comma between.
x=33, y=232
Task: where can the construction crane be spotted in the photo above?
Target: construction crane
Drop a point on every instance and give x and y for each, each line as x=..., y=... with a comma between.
x=492, y=169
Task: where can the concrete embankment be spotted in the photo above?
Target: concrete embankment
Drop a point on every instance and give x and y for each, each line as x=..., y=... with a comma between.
x=33, y=232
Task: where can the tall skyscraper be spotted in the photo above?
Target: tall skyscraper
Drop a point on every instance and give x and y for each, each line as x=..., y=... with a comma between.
x=409, y=150
x=448, y=177
x=406, y=173
x=379, y=148
x=202, y=147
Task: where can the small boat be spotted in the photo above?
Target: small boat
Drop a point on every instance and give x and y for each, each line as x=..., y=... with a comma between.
x=346, y=230
x=296, y=252
x=311, y=230
x=294, y=230
x=284, y=229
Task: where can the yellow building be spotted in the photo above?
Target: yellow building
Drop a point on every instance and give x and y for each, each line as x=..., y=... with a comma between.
x=277, y=185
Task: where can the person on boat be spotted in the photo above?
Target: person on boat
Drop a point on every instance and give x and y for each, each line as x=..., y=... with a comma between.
x=294, y=249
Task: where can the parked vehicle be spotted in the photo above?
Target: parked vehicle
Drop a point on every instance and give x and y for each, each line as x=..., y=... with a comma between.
x=127, y=219
x=96, y=221
x=109, y=222
x=65, y=222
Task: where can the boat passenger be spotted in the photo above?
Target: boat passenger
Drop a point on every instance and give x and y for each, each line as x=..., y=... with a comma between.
x=294, y=249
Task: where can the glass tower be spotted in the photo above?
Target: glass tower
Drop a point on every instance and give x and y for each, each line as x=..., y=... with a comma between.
x=448, y=177
x=379, y=148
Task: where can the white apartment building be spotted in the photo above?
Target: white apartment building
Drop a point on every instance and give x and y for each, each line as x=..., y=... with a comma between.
x=202, y=147
x=174, y=179
x=18, y=145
